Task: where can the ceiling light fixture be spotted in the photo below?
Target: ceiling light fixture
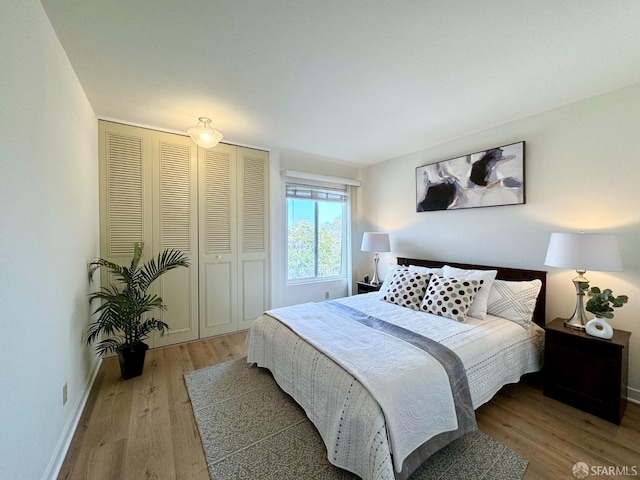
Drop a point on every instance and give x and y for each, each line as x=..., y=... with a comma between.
x=205, y=135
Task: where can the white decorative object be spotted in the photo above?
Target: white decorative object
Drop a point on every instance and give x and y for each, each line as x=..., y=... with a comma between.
x=598, y=327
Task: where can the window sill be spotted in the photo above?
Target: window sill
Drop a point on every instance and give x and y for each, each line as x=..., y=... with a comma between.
x=307, y=281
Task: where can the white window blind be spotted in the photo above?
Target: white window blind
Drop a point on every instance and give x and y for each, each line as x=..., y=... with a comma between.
x=310, y=192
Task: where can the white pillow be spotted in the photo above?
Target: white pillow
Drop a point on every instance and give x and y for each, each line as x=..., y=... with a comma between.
x=425, y=270
x=478, y=308
x=389, y=275
x=514, y=301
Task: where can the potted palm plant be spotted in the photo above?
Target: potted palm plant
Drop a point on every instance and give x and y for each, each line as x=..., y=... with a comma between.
x=121, y=315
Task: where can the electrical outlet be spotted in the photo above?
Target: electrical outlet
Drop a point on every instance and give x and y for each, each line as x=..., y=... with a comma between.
x=64, y=394
x=326, y=295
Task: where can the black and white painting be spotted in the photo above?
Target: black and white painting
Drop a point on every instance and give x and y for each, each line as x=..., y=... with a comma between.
x=483, y=179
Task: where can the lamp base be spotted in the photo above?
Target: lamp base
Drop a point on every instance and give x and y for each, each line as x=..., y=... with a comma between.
x=575, y=323
x=579, y=318
x=375, y=280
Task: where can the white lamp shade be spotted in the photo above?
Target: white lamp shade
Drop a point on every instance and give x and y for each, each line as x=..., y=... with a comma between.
x=375, y=242
x=205, y=136
x=584, y=251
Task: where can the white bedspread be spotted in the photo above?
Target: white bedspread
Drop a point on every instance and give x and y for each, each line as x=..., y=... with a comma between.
x=494, y=352
x=398, y=375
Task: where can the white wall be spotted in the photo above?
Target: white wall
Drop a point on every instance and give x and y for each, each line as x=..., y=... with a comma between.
x=582, y=173
x=49, y=219
x=281, y=293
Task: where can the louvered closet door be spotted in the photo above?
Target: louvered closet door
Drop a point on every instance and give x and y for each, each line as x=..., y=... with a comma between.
x=253, y=222
x=125, y=193
x=175, y=222
x=218, y=240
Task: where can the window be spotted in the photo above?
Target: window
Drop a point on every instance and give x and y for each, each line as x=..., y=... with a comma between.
x=317, y=228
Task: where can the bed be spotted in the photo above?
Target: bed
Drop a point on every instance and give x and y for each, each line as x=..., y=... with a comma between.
x=385, y=380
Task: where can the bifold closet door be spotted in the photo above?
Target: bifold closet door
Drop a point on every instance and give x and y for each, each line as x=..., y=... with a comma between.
x=234, y=236
x=218, y=241
x=125, y=194
x=253, y=224
x=175, y=220
x=148, y=193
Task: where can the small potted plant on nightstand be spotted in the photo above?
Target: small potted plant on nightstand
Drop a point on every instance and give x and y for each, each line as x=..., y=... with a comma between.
x=121, y=313
x=601, y=303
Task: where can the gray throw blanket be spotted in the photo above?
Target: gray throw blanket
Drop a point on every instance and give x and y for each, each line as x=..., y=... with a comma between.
x=449, y=361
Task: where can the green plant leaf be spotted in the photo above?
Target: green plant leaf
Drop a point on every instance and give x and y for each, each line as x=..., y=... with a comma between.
x=602, y=302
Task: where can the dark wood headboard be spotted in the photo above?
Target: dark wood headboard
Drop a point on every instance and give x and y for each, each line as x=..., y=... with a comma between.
x=512, y=274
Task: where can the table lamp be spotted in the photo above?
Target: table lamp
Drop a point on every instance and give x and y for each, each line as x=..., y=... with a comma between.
x=582, y=252
x=375, y=242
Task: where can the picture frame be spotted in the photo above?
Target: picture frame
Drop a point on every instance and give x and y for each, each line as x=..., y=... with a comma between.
x=489, y=178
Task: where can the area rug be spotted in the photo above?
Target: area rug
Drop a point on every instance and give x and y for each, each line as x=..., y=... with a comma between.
x=251, y=429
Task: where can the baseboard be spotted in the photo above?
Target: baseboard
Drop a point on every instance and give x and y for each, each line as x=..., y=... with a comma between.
x=55, y=464
x=633, y=395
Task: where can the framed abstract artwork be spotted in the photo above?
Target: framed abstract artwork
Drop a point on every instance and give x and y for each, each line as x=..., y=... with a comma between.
x=490, y=178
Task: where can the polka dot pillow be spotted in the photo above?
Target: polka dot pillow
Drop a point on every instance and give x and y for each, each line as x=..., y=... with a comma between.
x=450, y=297
x=405, y=288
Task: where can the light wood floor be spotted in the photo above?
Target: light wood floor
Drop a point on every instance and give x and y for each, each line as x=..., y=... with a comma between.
x=143, y=428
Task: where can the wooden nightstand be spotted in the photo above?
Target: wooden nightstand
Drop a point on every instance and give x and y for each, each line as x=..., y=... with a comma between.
x=364, y=287
x=587, y=372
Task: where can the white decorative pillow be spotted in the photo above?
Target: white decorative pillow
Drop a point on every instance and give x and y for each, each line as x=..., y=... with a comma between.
x=514, y=301
x=450, y=297
x=429, y=270
x=404, y=288
x=479, y=306
x=389, y=275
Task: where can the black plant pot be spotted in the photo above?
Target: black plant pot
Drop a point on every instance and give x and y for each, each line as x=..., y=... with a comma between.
x=132, y=359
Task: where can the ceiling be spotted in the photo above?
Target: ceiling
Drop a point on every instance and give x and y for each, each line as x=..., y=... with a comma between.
x=358, y=81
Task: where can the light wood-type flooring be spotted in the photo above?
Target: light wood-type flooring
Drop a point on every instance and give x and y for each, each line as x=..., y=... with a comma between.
x=144, y=428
